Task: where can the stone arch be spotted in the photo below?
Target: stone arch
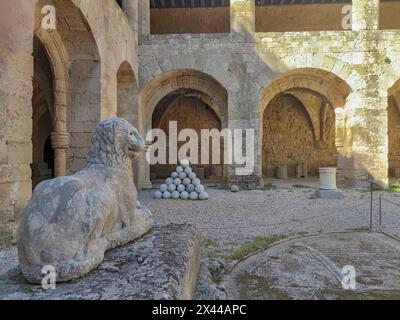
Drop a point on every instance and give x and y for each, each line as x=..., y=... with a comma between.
x=394, y=132
x=42, y=114
x=76, y=71
x=320, y=92
x=127, y=94
x=199, y=84
x=321, y=82
x=127, y=101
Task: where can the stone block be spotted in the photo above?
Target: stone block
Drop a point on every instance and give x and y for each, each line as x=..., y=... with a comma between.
x=162, y=265
x=6, y=235
x=19, y=152
x=328, y=194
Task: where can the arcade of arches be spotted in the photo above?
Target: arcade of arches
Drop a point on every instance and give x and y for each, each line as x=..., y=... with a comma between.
x=324, y=98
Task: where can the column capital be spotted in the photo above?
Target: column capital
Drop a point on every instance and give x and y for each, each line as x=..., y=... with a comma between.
x=59, y=140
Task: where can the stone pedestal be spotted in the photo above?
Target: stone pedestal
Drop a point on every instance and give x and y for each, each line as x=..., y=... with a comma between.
x=327, y=187
x=162, y=265
x=281, y=172
x=327, y=178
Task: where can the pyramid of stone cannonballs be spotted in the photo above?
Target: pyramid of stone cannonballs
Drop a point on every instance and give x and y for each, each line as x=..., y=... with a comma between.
x=182, y=184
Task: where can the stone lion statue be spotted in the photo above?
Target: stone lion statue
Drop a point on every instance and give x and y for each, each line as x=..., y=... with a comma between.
x=71, y=221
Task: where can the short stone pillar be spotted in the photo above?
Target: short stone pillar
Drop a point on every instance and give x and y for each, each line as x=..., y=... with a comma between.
x=327, y=178
x=281, y=172
x=327, y=184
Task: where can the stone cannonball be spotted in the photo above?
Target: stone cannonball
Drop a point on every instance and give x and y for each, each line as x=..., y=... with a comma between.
x=157, y=194
x=163, y=187
x=192, y=175
x=174, y=175
x=167, y=195
x=184, y=195
x=203, y=196
x=182, y=175
x=177, y=181
x=196, y=181
x=188, y=170
x=181, y=188
x=186, y=181
x=234, y=188
x=171, y=187
x=176, y=195
x=169, y=181
x=184, y=163
x=199, y=188
x=194, y=196
x=179, y=169
x=190, y=188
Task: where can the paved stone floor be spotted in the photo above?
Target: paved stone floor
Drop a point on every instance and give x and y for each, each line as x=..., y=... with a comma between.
x=310, y=268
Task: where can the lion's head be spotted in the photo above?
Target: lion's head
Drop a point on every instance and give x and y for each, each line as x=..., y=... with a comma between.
x=115, y=142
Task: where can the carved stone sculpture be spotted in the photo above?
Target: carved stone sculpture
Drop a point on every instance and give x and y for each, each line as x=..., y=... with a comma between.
x=71, y=221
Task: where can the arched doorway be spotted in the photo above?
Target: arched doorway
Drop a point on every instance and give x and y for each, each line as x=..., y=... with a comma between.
x=127, y=91
x=394, y=133
x=127, y=102
x=186, y=108
x=289, y=138
x=298, y=121
x=192, y=98
x=43, y=112
x=75, y=71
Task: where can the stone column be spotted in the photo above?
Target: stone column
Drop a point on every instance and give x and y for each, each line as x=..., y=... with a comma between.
x=143, y=18
x=130, y=8
x=363, y=153
x=365, y=15
x=244, y=114
x=243, y=16
x=60, y=144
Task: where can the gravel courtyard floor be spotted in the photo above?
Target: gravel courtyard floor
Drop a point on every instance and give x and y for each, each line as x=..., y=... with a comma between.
x=284, y=208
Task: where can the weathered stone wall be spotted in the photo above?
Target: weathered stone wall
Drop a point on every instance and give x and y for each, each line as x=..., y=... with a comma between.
x=351, y=69
x=92, y=39
x=189, y=113
x=16, y=42
x=288, y=138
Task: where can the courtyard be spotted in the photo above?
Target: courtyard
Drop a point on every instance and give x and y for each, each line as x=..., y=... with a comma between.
x=313, y=84
x=237, y=225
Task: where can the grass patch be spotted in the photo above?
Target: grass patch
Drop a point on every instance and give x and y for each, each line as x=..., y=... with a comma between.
x=364, y=228
x=395, y=188
x=211, y=242
x=253, y=245
x=300, y=186
x=269, y=186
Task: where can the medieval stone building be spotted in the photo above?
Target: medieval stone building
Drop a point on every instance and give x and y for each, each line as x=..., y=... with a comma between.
x=317, y=83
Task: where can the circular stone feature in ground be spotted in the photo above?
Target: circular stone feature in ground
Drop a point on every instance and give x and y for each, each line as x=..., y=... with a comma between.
x=310, y=268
